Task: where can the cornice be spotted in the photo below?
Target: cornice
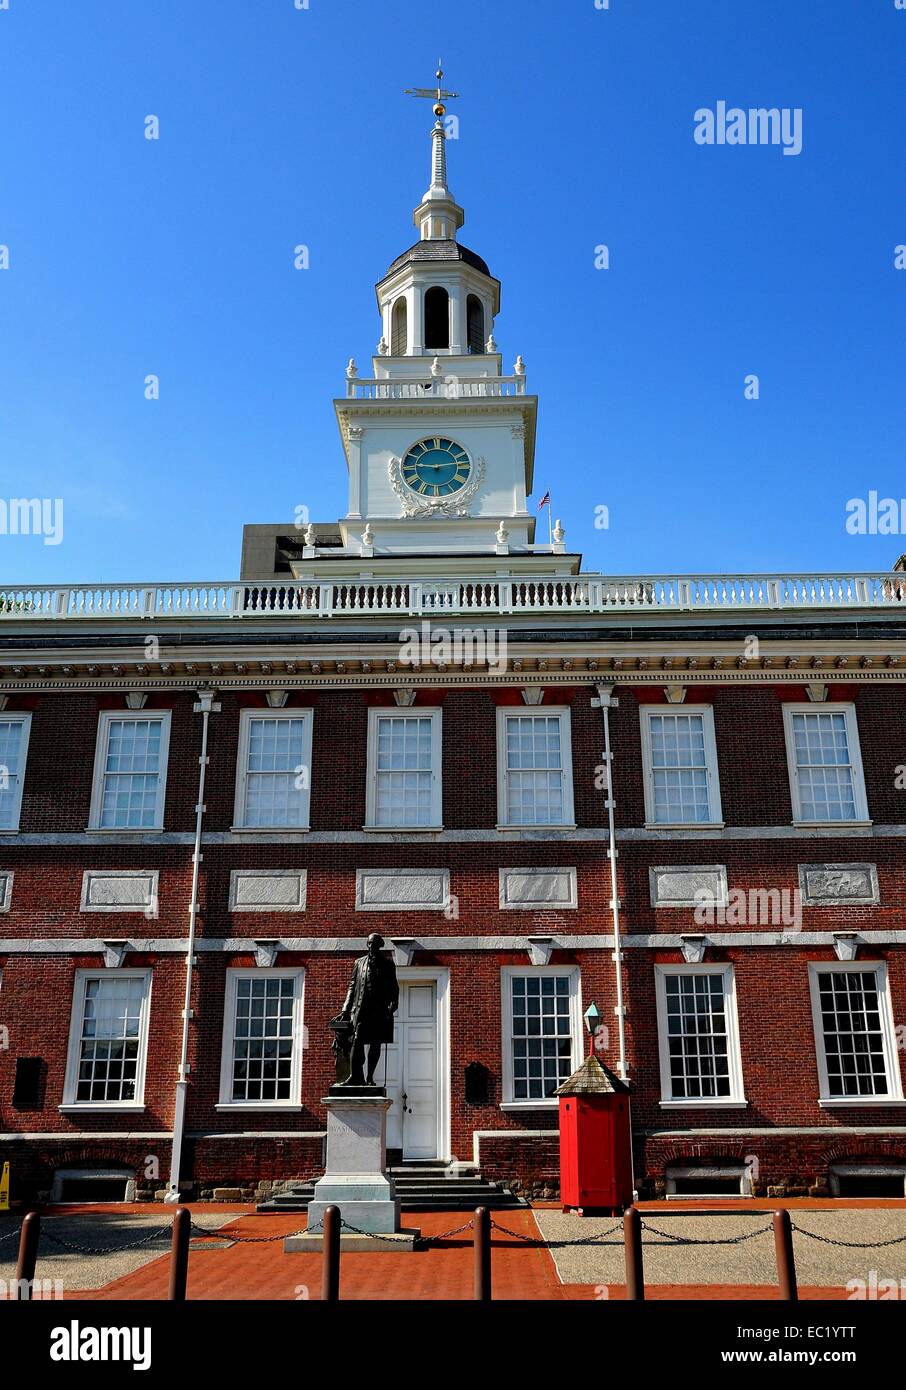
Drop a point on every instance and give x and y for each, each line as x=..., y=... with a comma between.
x=389, y=675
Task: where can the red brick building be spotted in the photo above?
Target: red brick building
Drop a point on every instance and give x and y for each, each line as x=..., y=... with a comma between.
x=401, y=722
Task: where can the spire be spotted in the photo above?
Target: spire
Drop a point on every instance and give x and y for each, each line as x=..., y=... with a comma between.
x=438, y=215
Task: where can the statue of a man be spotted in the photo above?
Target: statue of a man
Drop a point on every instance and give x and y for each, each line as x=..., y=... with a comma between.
x=371, y=1002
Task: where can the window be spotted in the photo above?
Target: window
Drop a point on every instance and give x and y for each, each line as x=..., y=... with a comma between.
x=404, y=769
x=108, y=1039
x=262, y=1038
x=542, y=1032
x=698, y=1033
x=399, y=328
x=130, y=771
x=14, y=731
x=680, y=756
x=273, y=780
x=475, y=324
x=822, y=748
x=534, y=768
x=437, y=319
x=857, y=1060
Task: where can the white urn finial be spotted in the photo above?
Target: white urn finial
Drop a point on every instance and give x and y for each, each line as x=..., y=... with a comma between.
x=519, y=368
x=368, y=534
x=309, y=534
x=352, y=370
x=382, y=348
x=491, y=344
x=436, y=368
x=503, y=534
x=559, y=533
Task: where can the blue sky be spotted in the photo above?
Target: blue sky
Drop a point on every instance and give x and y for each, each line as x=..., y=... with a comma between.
x=281, y=126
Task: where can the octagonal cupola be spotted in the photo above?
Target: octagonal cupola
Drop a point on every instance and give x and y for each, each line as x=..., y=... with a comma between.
x=438, y=299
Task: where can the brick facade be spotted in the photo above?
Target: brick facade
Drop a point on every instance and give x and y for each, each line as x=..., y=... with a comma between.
x=223, y=1149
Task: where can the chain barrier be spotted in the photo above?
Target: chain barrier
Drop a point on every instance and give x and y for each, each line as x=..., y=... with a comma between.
x=540, y=1239
x=849, y=1244
x=221, y=1233
x=699, y=1240
x=162, y=1232
x=445, y=1235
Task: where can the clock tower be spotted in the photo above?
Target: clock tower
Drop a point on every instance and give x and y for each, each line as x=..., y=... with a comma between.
x=438, y=441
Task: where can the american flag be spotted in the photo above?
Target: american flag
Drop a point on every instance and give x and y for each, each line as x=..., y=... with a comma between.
x=545, y=501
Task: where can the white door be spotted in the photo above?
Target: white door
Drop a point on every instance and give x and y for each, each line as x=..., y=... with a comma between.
x=412, y=1072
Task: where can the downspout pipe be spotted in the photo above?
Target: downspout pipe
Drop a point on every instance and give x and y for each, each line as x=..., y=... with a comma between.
x=205, y=707
x=605, y=702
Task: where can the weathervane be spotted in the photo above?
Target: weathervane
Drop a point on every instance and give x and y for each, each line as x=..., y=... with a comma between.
x=436, y=94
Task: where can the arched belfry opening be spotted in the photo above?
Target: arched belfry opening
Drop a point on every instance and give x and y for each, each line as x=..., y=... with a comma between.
x=437, y=319
x=399, y=328
x=475, y=324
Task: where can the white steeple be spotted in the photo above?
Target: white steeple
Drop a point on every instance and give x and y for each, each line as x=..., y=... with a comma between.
x=438, y=215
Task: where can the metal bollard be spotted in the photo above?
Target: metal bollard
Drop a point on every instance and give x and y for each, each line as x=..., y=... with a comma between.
x=330, y=1265
x=28, y=1256
x=179, y=1255
x=787, y=1290
x=632, y=1244
x=481, y=1241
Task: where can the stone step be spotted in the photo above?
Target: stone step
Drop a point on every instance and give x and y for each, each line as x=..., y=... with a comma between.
x=420, y=1187
x=498, y=1201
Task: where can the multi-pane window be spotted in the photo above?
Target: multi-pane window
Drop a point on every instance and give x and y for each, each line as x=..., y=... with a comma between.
x=825, y=767
x=13, y=746
x=404, y=769
x=853, y=1027
x=681, y=786
x=698, y=1035
x=109, y=1035
x=274, y=776
x=130, y=771
x=534, y=768
x=540, y=1022
x=262, y=1038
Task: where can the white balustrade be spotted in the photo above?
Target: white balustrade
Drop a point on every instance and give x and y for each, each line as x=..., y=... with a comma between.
x=376, y=597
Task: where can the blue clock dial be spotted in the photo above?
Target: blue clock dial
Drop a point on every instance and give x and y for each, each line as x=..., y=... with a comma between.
x=436, y=467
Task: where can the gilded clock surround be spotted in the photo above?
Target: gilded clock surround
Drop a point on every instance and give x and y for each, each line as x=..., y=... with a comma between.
x=430, y=465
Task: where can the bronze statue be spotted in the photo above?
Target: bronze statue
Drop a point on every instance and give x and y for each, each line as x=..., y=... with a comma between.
x=366, y=1018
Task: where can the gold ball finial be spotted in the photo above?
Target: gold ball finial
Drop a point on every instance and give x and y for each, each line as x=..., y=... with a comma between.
x=440, y=110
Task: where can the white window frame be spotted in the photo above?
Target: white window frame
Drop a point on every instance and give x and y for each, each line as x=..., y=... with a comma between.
x=715, y=811
x=507, y=974
x=736, y=1098
x=107, y=716
x=435, y=714
x=23, y=718
x=70, y=1085
x=562, y=712
x=855, y=760
x=233, y=976
x=242, y=765
x=894, y=1094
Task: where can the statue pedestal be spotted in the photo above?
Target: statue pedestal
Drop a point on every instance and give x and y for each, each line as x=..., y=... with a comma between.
x=356, y=1178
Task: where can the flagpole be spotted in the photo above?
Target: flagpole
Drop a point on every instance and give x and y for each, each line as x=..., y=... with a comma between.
x=550, y=527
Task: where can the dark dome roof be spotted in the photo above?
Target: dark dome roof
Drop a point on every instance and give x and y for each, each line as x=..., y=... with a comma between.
x=440, y=251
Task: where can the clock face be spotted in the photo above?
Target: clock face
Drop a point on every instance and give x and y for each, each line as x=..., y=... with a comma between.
x=436, y=467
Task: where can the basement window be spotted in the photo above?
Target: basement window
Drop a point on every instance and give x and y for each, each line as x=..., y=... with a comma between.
x=87, y=1185
x=730, y=1180
x=868, y=1180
